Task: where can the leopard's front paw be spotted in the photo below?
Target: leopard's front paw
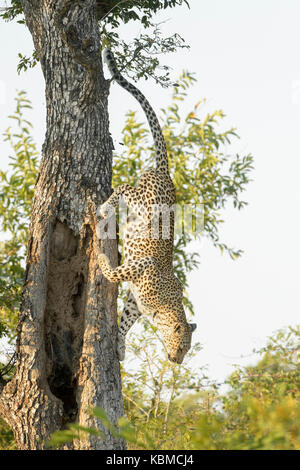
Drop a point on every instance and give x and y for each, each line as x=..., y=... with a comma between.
x=103, y=260
x=104, y=263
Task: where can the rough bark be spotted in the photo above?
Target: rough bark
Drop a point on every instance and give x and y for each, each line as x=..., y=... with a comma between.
x=66, y=348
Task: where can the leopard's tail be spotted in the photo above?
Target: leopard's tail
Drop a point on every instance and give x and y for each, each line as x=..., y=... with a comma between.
x=159, y=141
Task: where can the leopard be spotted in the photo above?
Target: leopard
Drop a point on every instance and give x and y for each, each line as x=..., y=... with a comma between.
x=148, y=243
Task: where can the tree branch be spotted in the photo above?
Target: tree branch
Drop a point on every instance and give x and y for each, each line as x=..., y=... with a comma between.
x=134, y=403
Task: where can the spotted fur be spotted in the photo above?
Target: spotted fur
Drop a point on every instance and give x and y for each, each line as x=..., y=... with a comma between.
x=148, y=245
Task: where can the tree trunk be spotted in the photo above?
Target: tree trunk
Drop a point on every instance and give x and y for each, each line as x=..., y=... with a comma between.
x=66, y=347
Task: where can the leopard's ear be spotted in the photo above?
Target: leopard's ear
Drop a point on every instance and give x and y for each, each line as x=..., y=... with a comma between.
x=193, y=326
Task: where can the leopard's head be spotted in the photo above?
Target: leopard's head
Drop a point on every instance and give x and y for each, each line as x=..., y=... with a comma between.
x=177, y=340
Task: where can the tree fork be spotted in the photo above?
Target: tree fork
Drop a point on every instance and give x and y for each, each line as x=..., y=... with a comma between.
x=66, y=346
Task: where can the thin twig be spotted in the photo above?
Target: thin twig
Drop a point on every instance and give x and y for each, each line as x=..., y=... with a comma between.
x=115, y=6
x=132, y=401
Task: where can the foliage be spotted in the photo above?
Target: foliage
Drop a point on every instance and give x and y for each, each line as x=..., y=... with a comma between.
x=7, y=441
x=27, y=62
x=145, y=47
x=73, y=432
x=16, y=193
x=13, y=11
x=123, y=429
x=7, y=371
x=144, y=51
x=262, y=409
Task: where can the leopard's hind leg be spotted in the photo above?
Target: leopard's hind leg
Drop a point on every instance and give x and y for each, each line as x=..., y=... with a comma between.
x=129, y=316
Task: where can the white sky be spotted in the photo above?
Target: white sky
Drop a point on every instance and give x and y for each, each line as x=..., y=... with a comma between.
x=246, y=59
